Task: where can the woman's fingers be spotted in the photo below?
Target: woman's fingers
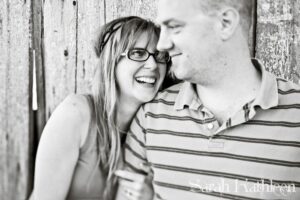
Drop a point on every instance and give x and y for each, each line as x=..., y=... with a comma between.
x=130, y=176
x=131, y=185
x=128, y=190
x=137, y=186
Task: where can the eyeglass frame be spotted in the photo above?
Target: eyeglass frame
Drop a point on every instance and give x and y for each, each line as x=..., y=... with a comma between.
x=126, y=53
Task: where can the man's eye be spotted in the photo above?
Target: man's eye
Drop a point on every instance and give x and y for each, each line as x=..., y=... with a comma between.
x=174, y=28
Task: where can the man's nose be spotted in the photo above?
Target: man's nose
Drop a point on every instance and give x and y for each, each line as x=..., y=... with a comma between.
x=164, y=42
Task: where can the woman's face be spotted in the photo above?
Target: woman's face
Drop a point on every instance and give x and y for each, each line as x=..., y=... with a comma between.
x=138, y=82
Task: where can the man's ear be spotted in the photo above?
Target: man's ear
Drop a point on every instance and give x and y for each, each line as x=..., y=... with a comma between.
x=230, y=20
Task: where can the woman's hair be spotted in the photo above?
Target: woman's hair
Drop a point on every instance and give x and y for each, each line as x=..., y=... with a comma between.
x=115, y=37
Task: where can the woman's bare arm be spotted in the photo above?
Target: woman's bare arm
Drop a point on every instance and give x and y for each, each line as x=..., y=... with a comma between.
x=59, y=147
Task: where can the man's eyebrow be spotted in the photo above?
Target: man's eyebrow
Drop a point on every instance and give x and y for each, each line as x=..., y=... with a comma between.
x=166, y=22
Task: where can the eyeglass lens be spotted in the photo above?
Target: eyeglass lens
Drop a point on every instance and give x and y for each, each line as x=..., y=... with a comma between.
x=143, y=55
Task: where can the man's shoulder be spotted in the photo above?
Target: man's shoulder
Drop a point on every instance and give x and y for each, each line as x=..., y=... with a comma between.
x=288, y=96
x=166, y=97
x=288, y=88
x=170, y=92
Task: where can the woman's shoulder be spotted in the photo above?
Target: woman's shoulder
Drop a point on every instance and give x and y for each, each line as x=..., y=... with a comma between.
x=75, y=113
x=77, y=103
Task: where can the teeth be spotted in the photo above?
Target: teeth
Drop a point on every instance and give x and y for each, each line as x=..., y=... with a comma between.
x=146, y=80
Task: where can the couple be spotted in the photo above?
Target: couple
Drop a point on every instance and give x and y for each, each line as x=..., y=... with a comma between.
x=230, y=130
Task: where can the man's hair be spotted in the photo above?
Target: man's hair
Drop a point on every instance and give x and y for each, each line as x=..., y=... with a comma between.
x=244, y=7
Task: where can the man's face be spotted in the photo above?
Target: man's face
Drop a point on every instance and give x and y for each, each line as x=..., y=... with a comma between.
x=190, y=36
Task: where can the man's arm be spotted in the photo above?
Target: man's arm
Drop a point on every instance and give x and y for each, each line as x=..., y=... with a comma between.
x=133, y=186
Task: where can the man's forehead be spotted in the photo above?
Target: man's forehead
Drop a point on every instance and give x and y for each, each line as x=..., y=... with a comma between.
x=174, y=9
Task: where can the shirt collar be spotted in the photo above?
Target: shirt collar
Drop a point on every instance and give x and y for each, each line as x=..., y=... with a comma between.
x=267, y=96
x=187, y=96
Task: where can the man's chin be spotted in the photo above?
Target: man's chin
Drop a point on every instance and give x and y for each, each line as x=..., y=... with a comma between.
x=172, y=75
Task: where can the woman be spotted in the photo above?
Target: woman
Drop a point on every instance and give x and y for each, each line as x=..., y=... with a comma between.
x=80, y=148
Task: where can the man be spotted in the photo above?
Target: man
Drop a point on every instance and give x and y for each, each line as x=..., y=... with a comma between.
x=231, y=130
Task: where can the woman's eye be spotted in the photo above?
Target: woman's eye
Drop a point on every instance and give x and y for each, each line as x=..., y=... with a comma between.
x=138, y=53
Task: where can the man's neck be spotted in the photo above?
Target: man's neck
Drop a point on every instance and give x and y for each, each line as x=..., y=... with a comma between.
x=231, y=92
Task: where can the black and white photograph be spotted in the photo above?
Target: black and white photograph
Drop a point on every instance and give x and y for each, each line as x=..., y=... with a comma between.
x=149, y=100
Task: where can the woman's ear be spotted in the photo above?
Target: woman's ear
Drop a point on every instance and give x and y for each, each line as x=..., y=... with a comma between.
x=230, y=20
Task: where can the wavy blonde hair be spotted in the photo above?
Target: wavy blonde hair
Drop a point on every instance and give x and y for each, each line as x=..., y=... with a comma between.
x=115, y=37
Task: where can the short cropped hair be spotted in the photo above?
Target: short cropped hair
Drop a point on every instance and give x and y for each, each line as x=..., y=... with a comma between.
x=244, y=7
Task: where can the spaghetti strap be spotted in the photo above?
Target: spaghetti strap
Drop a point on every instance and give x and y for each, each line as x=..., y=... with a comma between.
x=91, y=123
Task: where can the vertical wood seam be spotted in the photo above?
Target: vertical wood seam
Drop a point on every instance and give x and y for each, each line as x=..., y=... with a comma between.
x=76, y=48
x=254, y=29
x=104, y=5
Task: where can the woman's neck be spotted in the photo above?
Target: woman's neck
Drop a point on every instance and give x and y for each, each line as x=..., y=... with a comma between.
x=126, y=110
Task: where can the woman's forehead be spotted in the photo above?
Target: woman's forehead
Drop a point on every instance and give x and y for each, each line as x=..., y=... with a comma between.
x=146, y=40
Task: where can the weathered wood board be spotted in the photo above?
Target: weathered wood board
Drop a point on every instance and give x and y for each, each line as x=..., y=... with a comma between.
x=60, y=50
x=15, y=109
x=63, y=34
x=90, y=18
x=278, y=37
x=120, y=8
x=70, y=31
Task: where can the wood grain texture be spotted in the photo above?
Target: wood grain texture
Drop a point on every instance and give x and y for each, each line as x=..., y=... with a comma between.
x=37, y=46
x=14, y=99
x=90, y=18
x=60, y=50
x=120, y=8
x=70, y=30
x=278, y=37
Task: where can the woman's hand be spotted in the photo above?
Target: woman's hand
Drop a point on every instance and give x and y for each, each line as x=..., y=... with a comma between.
x=133, y=186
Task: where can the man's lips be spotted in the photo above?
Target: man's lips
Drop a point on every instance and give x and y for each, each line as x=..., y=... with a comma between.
x=174, y=55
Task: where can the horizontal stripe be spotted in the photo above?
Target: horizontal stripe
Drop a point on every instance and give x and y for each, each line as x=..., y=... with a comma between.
x=226, y=155
x=135, y=139
x=171, y=91
x=134, y=153
x=180, y=118
x=292, y=106
x=198, y=190
x=281, y=79
x=274, y=123
x=225, y=175
x=127, y=164
x=260, y=141
x=139, y=124
x=292, y=91
x=226, y=137
x=169, y=103
x=173, y=133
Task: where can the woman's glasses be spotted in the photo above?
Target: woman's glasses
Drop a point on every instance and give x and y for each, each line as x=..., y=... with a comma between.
x=141, y=55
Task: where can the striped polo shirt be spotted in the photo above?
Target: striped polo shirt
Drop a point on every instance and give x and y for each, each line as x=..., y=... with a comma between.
x=253, y=155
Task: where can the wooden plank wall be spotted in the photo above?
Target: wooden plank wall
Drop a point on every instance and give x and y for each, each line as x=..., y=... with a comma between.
x=70, y=30
x=15, y=98
x=62, y=33
x=278, y=37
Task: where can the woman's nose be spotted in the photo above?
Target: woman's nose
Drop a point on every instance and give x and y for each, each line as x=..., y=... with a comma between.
x=151, y=63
